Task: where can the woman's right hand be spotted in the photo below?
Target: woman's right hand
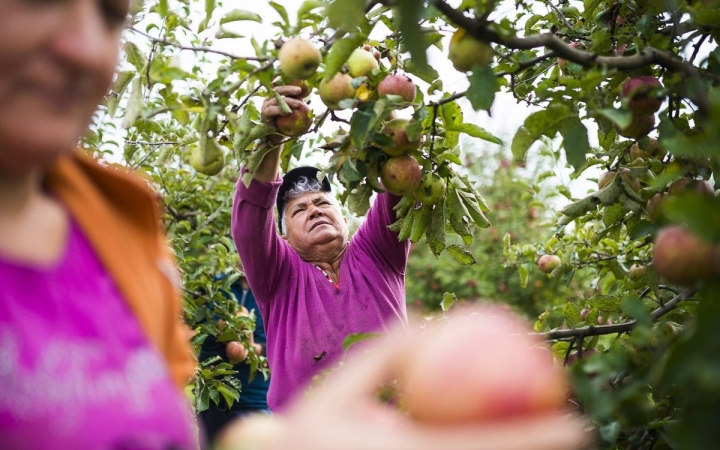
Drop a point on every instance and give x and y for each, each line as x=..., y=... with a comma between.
x=271, y=109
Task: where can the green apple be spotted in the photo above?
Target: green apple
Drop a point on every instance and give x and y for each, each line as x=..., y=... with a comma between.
x=336, y=90
x=465, y=51
x=299, y=59
x=208, y=158
x=548, y=263
x=361, y=63
x=432, y=188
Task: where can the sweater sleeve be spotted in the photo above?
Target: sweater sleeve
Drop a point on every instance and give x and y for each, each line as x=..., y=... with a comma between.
x=264, y=254
x=376, y=239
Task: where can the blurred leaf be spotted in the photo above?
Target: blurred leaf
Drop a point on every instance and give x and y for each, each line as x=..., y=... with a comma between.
x=240, y=14
x=483, y=86
x=448, y=301
x=345, y=14
x=355, y=338
x=575, y=141
x=409, y=14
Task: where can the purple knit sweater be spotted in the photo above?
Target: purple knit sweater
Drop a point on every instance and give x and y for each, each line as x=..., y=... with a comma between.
x=306, y=316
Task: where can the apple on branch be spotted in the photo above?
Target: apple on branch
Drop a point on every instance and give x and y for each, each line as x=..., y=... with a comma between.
x=465, y=51
x=431, y=189
x=401, y=175
x=401, y=144
x=400, y=85
x=299, y=59
x=339, y=88
x=548, y=263
x=361, y=63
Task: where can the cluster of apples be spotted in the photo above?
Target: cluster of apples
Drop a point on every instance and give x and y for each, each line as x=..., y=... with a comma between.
x=643, y=97
x=400, y=173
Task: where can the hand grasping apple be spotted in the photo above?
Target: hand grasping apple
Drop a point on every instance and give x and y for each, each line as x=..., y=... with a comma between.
x=295, y=123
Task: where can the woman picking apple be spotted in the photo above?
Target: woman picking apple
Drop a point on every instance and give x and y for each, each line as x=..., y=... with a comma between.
x=313, y=285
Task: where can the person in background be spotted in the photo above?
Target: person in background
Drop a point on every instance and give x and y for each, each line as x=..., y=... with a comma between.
x=314, y=285
x=253, y=396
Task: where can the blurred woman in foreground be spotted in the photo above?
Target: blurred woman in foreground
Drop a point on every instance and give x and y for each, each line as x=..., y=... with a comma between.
x=93, y=354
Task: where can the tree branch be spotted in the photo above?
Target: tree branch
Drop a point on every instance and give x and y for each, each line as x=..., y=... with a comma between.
x=647, y=56
x=587, y=331
x=160, y=41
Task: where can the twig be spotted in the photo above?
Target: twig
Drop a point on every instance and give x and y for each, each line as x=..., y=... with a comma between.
x=197, y=49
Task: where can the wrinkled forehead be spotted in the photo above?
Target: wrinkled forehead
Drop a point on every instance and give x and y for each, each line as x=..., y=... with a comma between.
x=310, y=197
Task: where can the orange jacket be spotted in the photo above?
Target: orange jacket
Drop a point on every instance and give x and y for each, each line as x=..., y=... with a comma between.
x=119, y=216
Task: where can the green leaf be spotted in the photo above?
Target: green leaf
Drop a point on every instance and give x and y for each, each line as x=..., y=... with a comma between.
x=345, y=14
x=436, y=231
x=354, y=338
x=307, y=6
x=524, y=273
x=135, y=56
x=448, y=300
x=462, y=254
x=537, y=124
x=339, y=53
x=619, y=117
x=240, y=14
x=482, y=89
x=135, y=104
x=609, y=303
x=575, y=141
x=571, y=313
x=478, y=132
x=359, y=200
x=409, y=13
x=420, y=223
x=282, y=11
x=426, y=73
x=209, y=9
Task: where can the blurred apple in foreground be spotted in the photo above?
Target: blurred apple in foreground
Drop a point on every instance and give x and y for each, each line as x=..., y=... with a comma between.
x=481, y=367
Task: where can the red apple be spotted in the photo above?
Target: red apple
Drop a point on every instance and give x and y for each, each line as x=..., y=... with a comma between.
x=639, y=126
x=400, y=85
x=691, y=184
x=235, y=352
x=652, y=150
x=401, y=143
x=641, y=93
x=481, y=368
x=296, y=123
x=548, y=263
x=683, y=258
x=401, y=175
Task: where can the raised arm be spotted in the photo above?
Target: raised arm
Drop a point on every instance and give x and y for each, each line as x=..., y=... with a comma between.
x=376, y=238
x=264, y=254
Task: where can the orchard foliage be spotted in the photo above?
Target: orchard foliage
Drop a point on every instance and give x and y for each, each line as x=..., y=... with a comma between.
x=643, y=350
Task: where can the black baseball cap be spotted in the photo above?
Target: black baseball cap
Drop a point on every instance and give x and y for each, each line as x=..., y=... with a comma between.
x=289, y=181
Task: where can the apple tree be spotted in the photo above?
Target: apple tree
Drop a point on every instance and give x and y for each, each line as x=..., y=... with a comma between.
x=622, y=91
